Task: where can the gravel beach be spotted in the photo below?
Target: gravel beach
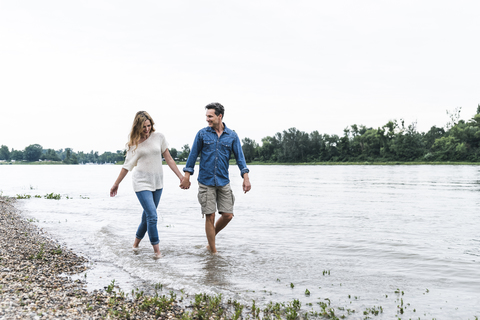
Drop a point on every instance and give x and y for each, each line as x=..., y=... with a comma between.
x=35, y=282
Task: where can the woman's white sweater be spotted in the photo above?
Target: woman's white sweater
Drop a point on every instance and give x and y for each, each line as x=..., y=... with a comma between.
x=147, y=158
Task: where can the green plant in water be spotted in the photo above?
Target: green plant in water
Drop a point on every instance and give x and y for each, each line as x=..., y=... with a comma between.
x=292, y=309
x=307, y=293
x=255, y=310
x=53, y=196
x=375, y=311
x=23, y=196
x=158, y=286
x=238, y=311
x=110, y=287
x=292, y=285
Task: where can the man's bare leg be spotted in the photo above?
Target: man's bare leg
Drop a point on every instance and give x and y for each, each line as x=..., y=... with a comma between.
x=210, y=231
x=222, y=222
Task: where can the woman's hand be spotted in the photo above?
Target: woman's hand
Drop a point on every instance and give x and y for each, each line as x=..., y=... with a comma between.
x=185, y=183
x=113, y=190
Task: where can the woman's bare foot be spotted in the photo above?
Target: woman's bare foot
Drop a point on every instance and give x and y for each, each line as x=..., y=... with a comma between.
x=156, y=250
x=136, y=243
x=208, y=248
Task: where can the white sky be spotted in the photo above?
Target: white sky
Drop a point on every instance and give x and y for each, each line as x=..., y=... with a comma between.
x=74, y=73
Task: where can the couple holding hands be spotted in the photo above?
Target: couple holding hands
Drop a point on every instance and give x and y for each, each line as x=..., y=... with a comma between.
x=214, y=144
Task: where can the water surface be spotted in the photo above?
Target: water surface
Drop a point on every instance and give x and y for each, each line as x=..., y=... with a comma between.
x=356, y=235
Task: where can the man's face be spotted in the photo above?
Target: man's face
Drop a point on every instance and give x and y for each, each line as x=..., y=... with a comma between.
x=213, y=120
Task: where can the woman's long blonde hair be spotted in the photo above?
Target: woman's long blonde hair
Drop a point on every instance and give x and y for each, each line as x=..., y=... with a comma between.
x=137, y=128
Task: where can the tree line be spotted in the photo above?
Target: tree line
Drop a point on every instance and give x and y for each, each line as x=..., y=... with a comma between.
x=459, y=140
x=35, y=152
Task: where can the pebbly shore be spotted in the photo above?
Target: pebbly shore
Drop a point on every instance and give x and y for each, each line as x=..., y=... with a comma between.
x=35, y=280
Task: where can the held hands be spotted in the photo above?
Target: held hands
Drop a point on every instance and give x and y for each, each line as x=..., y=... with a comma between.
x=185, y=183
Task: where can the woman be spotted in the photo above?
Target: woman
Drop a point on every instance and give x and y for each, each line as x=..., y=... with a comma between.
x=144, y=150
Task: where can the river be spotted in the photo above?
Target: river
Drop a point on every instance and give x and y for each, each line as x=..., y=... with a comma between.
x=364, y=238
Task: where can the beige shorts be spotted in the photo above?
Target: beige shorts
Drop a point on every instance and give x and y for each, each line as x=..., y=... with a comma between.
x=212, y=197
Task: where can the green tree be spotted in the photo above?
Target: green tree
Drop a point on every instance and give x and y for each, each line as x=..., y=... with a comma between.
x=316, y=146
x=33, y=152
x=50, y=155
x=407, y=144
x=173, y=153
x=70, y=157
x=250, y=149
x=16, y=155
x=433, y=134
x=446, y=148
x=185, y=153
x=4, y=153
x=267, y=150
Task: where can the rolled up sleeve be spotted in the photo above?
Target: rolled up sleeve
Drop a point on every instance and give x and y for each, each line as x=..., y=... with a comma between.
x=239, y=156
x=194, y=152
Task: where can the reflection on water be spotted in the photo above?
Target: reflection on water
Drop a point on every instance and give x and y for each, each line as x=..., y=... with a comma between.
x=215, y=270
x=350, y=234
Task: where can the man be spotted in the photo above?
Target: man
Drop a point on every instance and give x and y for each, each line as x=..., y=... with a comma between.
x=215, y=144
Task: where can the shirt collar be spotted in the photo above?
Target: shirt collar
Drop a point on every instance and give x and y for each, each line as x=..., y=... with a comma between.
x=225, y=129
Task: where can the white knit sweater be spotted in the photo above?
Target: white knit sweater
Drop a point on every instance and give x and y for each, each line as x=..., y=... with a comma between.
x=147, y=157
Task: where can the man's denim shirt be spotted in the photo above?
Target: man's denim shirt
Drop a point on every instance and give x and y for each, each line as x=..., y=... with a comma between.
x=215, y=155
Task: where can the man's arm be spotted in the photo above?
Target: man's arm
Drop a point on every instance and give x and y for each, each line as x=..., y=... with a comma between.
x=192, y=158
x=242, y=164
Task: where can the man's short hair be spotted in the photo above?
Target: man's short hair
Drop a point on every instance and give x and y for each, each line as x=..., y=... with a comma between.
x=219, y=109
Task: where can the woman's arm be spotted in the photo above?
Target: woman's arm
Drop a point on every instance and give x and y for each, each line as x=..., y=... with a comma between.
x=114, y=189
x=171, y=163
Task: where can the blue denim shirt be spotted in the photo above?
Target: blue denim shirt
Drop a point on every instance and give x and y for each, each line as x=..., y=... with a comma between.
x=215, y=155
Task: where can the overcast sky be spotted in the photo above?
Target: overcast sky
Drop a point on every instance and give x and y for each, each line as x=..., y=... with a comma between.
x=74, y=73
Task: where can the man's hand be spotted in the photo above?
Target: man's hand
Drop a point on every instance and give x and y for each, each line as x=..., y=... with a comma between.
x=246, y=183
x=185, y=184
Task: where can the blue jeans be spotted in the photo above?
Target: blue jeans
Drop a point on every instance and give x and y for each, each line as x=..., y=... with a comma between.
x=149, y=201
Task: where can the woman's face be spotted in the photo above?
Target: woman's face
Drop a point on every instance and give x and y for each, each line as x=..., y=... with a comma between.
x=147, y=126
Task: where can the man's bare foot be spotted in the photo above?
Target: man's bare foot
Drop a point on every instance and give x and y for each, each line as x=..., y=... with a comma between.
x=157, y=255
